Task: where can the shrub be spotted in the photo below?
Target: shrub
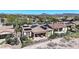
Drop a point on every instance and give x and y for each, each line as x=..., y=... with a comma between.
x=25, y=41
x=77, y=26
x=52, y=36
x=11, y=41
x=67, y=38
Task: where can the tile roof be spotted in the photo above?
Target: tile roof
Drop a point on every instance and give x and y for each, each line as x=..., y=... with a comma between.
x=38, y=29
x=57, y=25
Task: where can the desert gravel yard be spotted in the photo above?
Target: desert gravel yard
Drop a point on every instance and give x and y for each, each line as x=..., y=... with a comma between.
x=59, y=43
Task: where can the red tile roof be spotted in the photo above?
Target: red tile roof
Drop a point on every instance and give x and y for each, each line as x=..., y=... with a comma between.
x=57, y=25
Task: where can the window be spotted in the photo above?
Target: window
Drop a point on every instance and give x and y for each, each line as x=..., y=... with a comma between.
x=55, y=29
x=28, y=29
x=60, y=29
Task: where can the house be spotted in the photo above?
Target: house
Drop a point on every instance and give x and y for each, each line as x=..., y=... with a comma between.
x=71, y=25
x=75, y=26
x=58, y=28
x=44, y=30
x=26, y=30
x=32, y=30
x=76, y=22
x=35, y=30
x=70, y=19
x=48, y=29
x=5, y=32
x=38, y=31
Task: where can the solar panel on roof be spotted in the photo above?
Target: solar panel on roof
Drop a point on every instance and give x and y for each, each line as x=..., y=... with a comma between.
x=34, y=26
x=44, y=27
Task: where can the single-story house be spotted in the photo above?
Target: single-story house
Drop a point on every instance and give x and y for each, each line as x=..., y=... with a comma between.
x=6, y=30
x=70, y=19
x=35, y=30
x=44, y=30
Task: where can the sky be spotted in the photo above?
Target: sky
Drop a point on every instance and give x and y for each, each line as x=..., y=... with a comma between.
x=38, y=11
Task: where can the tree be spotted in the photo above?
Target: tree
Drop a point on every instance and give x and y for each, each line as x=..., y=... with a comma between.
x=11, y=18
x=76, y=18
x=54, y=20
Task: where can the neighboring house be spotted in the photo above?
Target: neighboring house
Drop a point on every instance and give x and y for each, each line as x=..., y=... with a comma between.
x=58, y=28
x=76, y=22
x=71, y=25
x=70, y=19
x=5, y=32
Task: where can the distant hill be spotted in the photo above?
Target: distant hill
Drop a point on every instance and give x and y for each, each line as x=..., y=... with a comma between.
x=45, y=14
x=67, y=14
x=64, y=14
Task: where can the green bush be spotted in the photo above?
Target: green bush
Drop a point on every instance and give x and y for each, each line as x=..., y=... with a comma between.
x=67, y=38
x=25, y=41
x=11, y=41
x=71, y=36
x=77, y=26
x=52, y=36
